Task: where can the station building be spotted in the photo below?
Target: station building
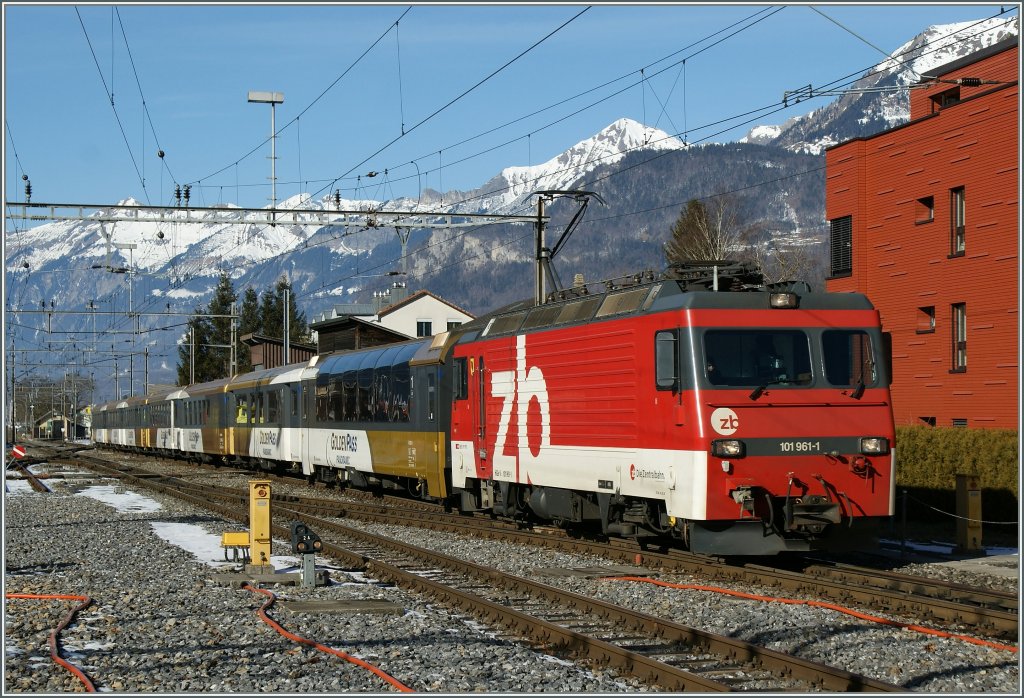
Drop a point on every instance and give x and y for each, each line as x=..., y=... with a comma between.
x=925, y=220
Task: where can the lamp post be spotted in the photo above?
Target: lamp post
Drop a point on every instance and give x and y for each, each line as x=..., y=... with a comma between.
x=273, y=99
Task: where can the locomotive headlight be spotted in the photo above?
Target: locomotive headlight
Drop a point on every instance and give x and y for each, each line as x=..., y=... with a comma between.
x=782, y=300
x=874, y=445
x=727, y=448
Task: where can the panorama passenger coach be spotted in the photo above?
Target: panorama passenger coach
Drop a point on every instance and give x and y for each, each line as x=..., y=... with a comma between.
x=701, y=407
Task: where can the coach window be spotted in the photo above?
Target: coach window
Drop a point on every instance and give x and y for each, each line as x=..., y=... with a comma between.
x=666, y=364
x=335, y=400
x=460, y=379
x=295, y=402
x=273, y=398
x=321, y=403
x=402, y=392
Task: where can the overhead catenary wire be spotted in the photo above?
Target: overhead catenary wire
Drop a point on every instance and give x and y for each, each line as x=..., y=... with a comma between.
x=315, y=100
x=750, y=116
x=110, y=96
x=145, y=107
x=449, y=165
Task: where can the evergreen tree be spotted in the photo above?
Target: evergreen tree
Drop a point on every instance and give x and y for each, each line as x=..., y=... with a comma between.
x=219, y=347
x=199, y=332
x=272, y=311
x=271, y=314
x=249, y=322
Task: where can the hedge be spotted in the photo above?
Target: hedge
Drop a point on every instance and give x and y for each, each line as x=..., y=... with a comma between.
x=928, y=459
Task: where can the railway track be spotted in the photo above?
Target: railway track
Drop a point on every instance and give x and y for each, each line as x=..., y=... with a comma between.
x=24, y=473
x=914, y=598
x=670, y=655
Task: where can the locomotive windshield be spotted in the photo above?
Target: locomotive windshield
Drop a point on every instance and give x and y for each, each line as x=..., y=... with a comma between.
x=763, y=357
x=757, y=357
x=848, y=357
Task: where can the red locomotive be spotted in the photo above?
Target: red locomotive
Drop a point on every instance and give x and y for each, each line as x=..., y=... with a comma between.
x=705, y=407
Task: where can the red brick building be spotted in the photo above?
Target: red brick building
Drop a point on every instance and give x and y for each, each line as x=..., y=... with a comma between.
x=925, y=220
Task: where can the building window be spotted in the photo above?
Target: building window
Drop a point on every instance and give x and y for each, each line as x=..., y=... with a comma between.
x=424, y=328
x=959, y=327
x=841, y=250
x=926, y=319
x=925, y=212
x=929, y=421
x=960, y=422
x=957, y=219
x=452, y=324
x=945, y=99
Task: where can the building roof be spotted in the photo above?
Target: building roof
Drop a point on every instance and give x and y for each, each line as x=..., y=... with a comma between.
x=343, y=320
x=412, y=298
x=970, y=59
x=254, y=339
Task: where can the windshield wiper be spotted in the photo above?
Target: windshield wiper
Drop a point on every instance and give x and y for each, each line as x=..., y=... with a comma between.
x=759, y=390
x=858, y=391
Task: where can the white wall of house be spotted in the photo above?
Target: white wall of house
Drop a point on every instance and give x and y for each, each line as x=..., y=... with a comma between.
x=425, y=309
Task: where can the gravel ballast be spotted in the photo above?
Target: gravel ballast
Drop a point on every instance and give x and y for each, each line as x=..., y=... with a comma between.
x=160, y=623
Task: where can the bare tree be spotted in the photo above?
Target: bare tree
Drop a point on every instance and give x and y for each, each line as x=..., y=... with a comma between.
x=706, y=231
x=778, y=262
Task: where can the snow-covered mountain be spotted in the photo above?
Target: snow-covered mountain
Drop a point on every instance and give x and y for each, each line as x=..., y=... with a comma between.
x=191, y=250
x=176, y=263
x=880, y=99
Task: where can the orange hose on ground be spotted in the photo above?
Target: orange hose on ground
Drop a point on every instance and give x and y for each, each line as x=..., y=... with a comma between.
x=323, y=648
x=820, y=604
x=54, y=651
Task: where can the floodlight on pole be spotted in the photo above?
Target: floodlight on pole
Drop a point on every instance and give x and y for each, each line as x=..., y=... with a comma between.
x=273, y=99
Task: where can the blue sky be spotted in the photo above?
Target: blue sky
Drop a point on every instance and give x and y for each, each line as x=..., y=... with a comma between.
x=196, y=63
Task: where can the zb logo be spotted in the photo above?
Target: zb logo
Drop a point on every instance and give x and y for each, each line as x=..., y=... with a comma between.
x=516, y=389
x=725, y=421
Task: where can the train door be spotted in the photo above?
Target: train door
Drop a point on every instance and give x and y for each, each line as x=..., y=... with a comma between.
x=468, y=423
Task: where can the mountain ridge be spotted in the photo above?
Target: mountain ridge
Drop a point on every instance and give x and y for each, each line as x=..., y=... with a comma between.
x=774, y=177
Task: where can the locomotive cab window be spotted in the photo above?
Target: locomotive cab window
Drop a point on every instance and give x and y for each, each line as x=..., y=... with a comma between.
x=848, y=358
x=666, y=363
x=757, y=357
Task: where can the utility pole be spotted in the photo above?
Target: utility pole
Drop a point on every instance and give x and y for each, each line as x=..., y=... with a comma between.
x=540, y=292
x=287, y=327
x=192, y=357
x=234, y=339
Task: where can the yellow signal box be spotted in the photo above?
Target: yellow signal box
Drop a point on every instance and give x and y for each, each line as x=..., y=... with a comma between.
x=259, y=524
